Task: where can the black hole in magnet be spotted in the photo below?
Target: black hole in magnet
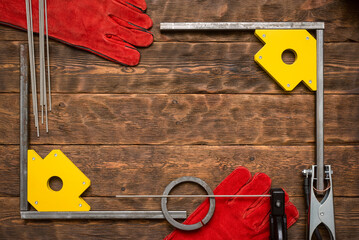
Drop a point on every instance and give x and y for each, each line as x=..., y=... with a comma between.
x=289, y=56
x=55, y=183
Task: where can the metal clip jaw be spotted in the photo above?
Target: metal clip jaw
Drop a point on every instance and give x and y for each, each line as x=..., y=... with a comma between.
x=278, y=219
x=323, y=211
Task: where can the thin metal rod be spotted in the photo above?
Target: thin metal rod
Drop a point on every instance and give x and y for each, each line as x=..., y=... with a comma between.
x=24, y=112
x=48, y=55
x=320, y=111
x=42, y=57
x=240, y=25
x=45, y=104
x=102, y=215
x=189, y=196
x=43, y=98
x=30, y=38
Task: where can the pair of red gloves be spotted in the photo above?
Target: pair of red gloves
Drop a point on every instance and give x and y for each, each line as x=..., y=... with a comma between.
x=108, y=28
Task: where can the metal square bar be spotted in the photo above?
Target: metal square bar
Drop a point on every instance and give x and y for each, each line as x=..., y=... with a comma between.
x=23, y=125
x=320, y=111
x=240, y=25
x=101, y=215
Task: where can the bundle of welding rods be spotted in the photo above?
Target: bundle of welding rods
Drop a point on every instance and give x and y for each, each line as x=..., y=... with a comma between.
x=44, y=102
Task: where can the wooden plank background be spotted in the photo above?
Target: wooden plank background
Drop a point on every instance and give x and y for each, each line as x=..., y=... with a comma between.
x=197, y=104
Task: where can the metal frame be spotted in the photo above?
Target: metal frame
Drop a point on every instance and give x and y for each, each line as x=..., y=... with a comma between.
x=24, y=142
x=25, y=214
x=318, y=26
x=319, y=212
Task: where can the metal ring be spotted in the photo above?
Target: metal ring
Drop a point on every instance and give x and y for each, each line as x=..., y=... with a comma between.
x=205, y=220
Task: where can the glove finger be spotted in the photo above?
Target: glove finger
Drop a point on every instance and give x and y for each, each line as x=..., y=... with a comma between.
x=257, y=215
x=130, y=17
x=233, y=182
x=292, y=214
x=117, y=51
x=260, y=205
x=138, y=5
x=290, y=210
x=260, y=184
x=254, y=210
x=286, y=196
x=136, y=36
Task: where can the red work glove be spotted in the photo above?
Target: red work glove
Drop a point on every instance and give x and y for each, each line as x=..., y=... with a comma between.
x=237, y=218
x=108, y=28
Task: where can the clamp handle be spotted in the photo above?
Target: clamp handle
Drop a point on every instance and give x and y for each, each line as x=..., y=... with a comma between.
x=278, y=219
x=321, y=212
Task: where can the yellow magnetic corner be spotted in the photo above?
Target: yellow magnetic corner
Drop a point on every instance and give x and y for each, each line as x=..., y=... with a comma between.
x=288, y=76
x=42, y=197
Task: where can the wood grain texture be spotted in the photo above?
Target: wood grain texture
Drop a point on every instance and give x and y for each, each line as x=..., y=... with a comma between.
x=186, y=119
x=341, y=17
x=115, y=169
x=197, y=104
x=178, y=68
x=13, y=228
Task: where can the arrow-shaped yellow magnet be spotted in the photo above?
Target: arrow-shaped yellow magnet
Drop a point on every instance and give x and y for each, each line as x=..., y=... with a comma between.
x=288, y=76
x=40, y=194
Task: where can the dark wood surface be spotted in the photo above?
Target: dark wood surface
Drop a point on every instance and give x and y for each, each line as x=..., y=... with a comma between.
x=197, y=104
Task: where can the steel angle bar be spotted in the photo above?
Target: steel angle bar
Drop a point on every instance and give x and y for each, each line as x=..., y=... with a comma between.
x=24, y=113
x=240, y=25
x=320, y=112
x=24, y=207
x=102, y=215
